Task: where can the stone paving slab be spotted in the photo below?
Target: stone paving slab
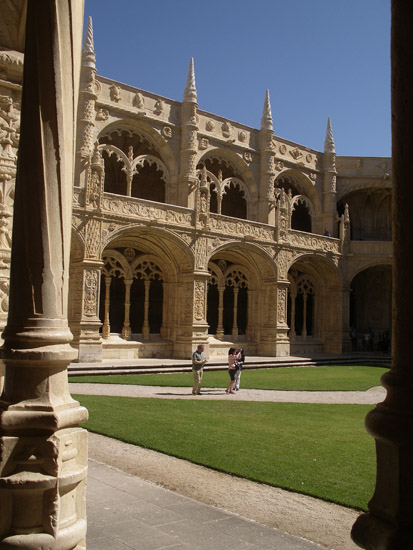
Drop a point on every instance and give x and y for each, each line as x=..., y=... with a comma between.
x=128, y=513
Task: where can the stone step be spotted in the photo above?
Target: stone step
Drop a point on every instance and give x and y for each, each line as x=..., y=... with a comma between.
x=139, y=366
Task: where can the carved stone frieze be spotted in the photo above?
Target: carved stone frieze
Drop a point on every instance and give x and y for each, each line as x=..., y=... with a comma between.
x=312, y=242
x=243, y=228
x=134, y=208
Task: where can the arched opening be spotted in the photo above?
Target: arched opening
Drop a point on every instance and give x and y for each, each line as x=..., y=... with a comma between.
x=233, y=202
x=314, y=307
x=371, y=309
x=300, y=218
x=227, y=190
x=149, y=184
x=123, y=176
x=370, y=214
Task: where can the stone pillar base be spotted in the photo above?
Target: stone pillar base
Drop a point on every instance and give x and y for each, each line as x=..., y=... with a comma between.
x=90, y=352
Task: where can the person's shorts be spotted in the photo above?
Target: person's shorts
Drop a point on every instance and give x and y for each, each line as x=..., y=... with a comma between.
x=232, y=373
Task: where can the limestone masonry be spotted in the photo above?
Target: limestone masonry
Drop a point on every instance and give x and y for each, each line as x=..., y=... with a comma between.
x=190, y=228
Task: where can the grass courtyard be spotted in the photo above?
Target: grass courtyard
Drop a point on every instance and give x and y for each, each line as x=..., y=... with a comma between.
x=319, y=450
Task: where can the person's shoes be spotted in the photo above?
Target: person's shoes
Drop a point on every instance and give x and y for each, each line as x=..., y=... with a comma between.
x=199, y=393
x=226, y=391
x=231, y=392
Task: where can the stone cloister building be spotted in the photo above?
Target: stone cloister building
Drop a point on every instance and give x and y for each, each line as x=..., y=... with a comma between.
x=188, y=227
x=43, y=451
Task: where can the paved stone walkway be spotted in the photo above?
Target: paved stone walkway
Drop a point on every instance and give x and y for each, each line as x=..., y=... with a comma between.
x=369, y=397
x=125, y=512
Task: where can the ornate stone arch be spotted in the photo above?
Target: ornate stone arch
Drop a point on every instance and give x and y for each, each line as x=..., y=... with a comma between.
x=147, y=143
x=240, y=171
x=115, y=264
x=304, y=186
x=165, y=245
x=148, y=133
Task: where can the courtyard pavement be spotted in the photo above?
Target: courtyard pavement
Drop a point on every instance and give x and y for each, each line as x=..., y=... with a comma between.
x=126, y=512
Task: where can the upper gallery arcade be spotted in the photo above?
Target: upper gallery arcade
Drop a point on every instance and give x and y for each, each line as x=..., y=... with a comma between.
x=190, y=228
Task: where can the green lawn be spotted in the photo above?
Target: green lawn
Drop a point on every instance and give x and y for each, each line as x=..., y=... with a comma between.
x=318, y=450
x=333, y=378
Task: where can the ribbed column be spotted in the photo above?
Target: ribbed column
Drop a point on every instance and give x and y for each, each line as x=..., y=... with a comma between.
x=389, y=523
x=43, y=461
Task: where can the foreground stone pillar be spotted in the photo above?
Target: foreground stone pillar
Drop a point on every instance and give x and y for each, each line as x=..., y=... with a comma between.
x=43, y=452
x=389, y=523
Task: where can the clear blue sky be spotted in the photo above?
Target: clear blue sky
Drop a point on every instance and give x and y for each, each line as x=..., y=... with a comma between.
x=318, y=58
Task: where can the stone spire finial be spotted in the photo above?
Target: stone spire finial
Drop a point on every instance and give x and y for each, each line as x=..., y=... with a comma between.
x=329, y=145
x=88, y=53
x=266, y=119
x=190, y=88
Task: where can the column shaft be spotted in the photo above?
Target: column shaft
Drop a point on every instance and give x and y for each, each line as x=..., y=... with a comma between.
x=43, y=451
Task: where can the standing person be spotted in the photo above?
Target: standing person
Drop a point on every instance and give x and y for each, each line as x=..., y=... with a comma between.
x=232, y=365
x=240, y=363
x=198, y=362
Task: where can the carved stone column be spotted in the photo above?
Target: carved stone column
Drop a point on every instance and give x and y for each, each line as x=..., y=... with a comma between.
x=200, y=325
x=282, y=341
x=126, y=330
x=293, y=296
x=43, y=460
x=220, y=328
x=267, y=344
x=235, y=314
x=106, y=322
x=145, y=325
x=389, y=523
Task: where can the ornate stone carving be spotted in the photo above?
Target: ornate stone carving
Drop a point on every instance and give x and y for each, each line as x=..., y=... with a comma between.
x=159, y=107
x=247, y=156
x=210, y=125
x=282, y=305
x=102, y=114
x=200, y=253
x=115, y=93
x=91, y=282
x=296, y=153
x=139, y=101
x=282, y=149
x=226, y=130
x=230, y=227
x=93, y=238
x=199, y=300
x=242, y=136
x=203, y=143
x=167, y=132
